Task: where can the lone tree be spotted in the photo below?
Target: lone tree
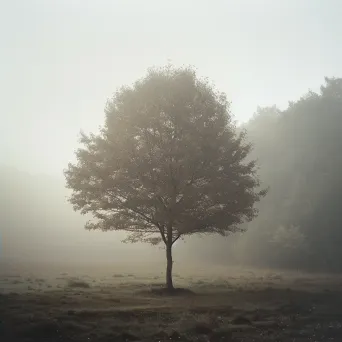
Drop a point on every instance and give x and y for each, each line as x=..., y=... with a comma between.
x=167, y=163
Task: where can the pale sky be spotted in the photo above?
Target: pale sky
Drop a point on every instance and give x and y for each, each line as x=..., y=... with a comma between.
x=61, y=59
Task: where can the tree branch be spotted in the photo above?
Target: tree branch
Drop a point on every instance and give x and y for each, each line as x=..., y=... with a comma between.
x=148, y=219
x=162, y=233
x=178, y=236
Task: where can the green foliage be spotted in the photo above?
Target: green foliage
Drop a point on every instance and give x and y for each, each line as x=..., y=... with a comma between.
x=167, y=163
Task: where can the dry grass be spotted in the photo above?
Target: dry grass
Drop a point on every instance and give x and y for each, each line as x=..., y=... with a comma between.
x=258, y=306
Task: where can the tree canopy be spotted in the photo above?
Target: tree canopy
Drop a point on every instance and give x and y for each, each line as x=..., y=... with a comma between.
x=167, y=163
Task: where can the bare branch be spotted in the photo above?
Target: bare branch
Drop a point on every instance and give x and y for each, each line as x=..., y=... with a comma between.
x=177, y=237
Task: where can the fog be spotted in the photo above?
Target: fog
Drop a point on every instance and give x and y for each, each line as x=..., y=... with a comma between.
x=61, y=61
x=298, y=227
x=39, y=225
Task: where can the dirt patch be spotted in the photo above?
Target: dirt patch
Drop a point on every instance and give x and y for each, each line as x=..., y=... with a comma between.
x=78, y=284
x=162, y=291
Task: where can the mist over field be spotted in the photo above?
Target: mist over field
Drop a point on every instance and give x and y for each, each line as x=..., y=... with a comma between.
x=38, y=225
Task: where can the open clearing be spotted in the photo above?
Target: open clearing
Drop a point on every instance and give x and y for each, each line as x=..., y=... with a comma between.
x=51, y=304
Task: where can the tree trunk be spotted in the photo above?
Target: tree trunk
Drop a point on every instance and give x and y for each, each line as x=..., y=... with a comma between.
x=169, y=283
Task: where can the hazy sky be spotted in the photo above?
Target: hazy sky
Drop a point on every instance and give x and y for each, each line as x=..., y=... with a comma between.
x=61, y=59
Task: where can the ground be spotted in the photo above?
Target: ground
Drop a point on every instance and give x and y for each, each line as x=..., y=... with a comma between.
x=221, y=304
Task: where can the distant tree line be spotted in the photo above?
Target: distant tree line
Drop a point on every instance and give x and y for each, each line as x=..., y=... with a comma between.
x=299, y=151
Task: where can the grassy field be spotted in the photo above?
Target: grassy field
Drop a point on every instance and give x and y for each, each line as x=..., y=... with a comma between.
x=223, y=304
